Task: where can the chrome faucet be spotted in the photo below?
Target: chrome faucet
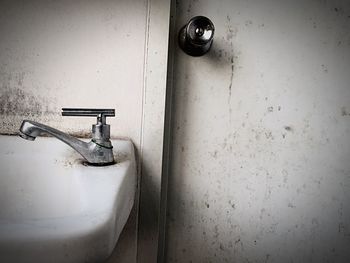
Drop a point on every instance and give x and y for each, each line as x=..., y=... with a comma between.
x=98, y=151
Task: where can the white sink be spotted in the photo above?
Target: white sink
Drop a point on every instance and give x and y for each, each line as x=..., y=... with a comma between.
x=53, y=208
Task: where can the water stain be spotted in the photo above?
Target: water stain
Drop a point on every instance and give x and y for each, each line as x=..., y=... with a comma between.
x=288, y=128
x=231, y=77
x=248, y=23
x=344, y=112
x=291, y=205
x=339, y=10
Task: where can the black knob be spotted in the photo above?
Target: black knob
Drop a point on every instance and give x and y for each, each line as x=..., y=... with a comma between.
x=196, y=37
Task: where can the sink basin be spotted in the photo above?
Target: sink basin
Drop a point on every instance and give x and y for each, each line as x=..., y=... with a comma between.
x=56, y=208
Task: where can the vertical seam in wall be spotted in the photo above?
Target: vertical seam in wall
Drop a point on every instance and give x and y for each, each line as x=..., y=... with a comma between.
x=167, y=138
x=144, y=87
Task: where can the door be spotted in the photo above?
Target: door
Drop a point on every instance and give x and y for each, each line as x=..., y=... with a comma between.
x=260, y=166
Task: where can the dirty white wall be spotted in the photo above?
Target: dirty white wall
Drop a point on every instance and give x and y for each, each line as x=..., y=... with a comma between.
x=56, y=54
x=261, y=135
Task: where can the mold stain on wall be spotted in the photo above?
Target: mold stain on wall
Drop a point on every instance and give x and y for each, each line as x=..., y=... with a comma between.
x=18, y=102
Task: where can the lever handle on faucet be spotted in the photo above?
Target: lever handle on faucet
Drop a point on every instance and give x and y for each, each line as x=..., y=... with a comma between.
x=101, y=114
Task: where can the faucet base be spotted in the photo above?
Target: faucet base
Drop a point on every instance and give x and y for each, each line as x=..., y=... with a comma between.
x=86, y=163
x=26, y=136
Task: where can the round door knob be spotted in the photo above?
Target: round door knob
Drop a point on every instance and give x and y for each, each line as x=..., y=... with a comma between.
x=196, y=37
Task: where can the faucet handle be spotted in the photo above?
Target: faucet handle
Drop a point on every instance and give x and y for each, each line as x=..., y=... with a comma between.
x=101, y=114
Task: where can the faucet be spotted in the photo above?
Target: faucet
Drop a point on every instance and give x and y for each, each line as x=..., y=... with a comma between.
x=97, y=152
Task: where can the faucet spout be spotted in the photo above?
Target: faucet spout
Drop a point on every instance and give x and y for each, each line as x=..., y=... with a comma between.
x=94, y=151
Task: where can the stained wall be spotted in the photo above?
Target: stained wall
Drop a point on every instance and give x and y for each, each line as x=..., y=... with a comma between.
x=260, y=168
x=56, y=54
